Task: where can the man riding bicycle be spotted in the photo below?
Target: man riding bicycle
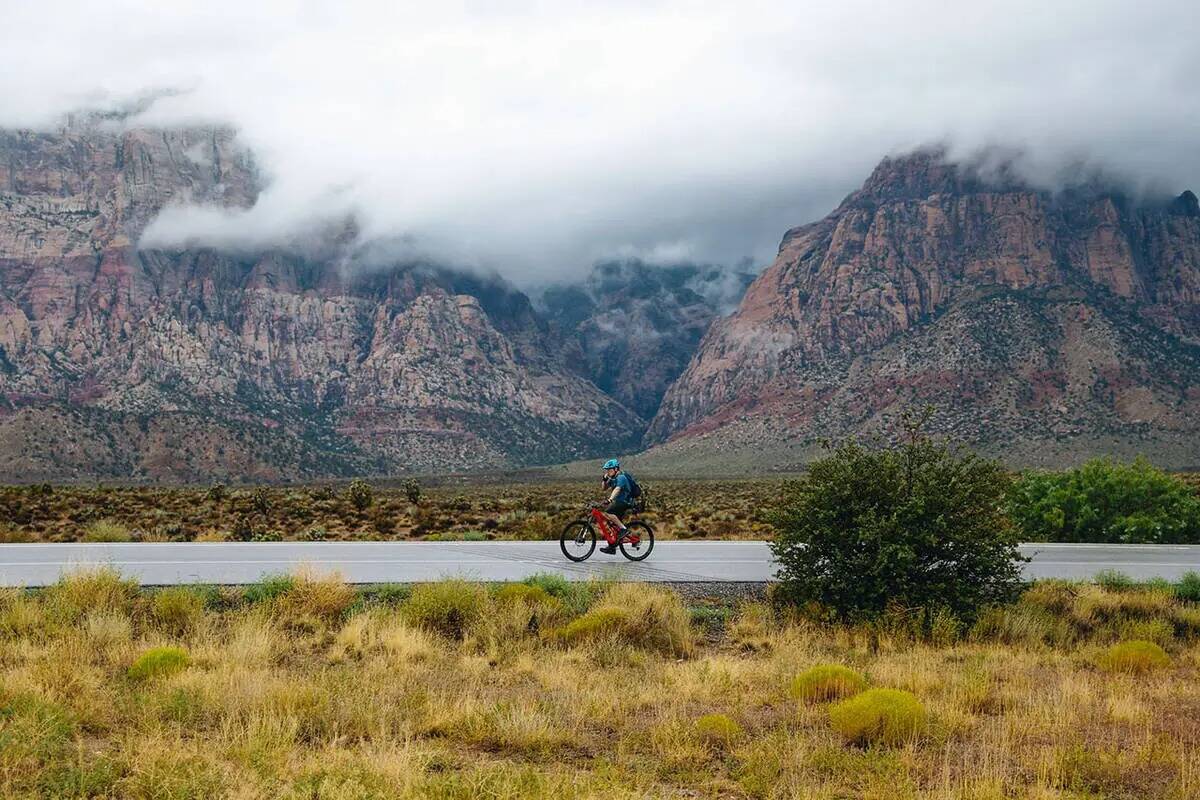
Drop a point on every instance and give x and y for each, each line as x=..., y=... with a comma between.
x=620, y=500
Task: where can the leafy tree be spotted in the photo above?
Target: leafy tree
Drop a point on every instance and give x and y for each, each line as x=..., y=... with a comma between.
x=919, y=525
x=1103, y=501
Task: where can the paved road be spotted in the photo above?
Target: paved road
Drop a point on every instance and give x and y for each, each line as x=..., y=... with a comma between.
x=378, y=562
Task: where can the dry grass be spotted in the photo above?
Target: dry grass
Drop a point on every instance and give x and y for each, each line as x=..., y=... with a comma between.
x=305, y=689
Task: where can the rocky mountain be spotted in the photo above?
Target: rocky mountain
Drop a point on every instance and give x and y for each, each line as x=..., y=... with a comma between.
x=127, y=363
x=631, y=327
x=1043, y=326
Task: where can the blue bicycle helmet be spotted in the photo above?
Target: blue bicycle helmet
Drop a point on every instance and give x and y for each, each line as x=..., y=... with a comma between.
x=612, y=463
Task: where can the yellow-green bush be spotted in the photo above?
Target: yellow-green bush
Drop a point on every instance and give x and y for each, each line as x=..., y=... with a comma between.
x=322, y=598
x=522, y=592
x=640, y=615
x=105, y=530
x=1134, y=656
x=879, y=716
x=827, y=682
x=449, y=607
x=177, y=610
x=90, y=590
x=718, y=730
x=158, y=662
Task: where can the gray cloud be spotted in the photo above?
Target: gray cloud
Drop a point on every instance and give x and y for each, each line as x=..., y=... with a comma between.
x=535, y=138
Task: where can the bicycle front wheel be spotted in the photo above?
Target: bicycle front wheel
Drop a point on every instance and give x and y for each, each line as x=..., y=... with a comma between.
x=640, y=541
x=578, y=540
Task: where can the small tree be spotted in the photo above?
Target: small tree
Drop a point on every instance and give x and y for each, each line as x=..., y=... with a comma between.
x=412, y=490
x=361, y=494
x=919, y=525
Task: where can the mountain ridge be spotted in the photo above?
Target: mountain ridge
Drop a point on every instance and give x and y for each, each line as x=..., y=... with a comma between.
x=884, y=270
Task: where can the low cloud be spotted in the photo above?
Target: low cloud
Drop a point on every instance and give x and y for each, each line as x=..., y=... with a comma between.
x=537, y=138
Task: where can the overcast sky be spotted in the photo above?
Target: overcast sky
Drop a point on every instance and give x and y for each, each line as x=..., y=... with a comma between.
x=538, y=137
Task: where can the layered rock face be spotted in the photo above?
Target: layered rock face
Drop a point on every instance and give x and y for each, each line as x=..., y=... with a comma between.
x=117, y=362
x=632, y=327
x=1043, y=327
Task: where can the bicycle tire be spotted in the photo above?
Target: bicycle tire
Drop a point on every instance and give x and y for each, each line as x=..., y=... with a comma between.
x=645, y=543
x=580, y=533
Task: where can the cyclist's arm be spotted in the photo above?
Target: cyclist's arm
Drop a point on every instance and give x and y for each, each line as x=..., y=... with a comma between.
x=612, y=498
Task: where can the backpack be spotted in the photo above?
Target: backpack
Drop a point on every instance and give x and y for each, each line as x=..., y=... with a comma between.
x=635, y=491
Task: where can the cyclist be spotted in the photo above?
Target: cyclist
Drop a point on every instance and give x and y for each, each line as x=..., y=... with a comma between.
x=620, y=500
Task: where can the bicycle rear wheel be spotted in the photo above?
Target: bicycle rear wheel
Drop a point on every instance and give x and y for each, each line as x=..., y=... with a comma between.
x=578, y=540
x=636, y=551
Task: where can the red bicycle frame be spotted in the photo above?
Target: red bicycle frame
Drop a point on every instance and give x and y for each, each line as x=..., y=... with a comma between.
x=607, y=532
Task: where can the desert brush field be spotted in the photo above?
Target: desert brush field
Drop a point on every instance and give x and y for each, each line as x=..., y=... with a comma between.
x=304, y=687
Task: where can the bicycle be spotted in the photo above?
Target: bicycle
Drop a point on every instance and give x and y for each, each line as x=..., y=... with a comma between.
x=578, y=538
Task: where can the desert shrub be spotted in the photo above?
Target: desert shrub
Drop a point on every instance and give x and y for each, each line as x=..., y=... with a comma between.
x=90, y=590
x=753, y=628
x=20, y=614
x=158, y=662
x=522, y=593
x=474, y=536
x=575, y=595
x=177, y=609
x=710, y=619
x=447, y=607
x=718, y=730
x=323, y=598
x=878, y=716
x=314, y=534
x=637, y=614
x=916, y=525
x=260, y=500
x=1022, y=624
x=269, y=588
x=1114, y=580
x=1134, y=656
x=538, y=527
x=11, y=534
x=1188, y=588
x=272, y=535
x=1103, y=501
x=105, y=530
x=412, y=490
x=323, y=494
x=217, y=492
x=360, y=494
x=242, y=530
x=827, y=682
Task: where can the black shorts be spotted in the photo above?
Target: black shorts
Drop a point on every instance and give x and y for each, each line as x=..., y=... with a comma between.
x=618, y=508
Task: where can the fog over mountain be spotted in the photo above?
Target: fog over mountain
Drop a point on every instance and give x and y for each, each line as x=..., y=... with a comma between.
x=540, y=138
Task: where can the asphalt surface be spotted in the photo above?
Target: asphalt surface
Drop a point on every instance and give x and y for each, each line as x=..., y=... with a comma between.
x=403, y=562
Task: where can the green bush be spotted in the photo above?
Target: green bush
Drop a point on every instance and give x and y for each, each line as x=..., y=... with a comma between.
x=576, y=596
x=718, y=730
x=1103, y=501
x=879, y=716
x=269, y=588
x=1188, y=587
x=827, y=682
x=1114, y=580
x=157, y=662
x=917, y=525
x=1135, y=656
x=412, y=490
x=448, y=607
x=360, y=494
